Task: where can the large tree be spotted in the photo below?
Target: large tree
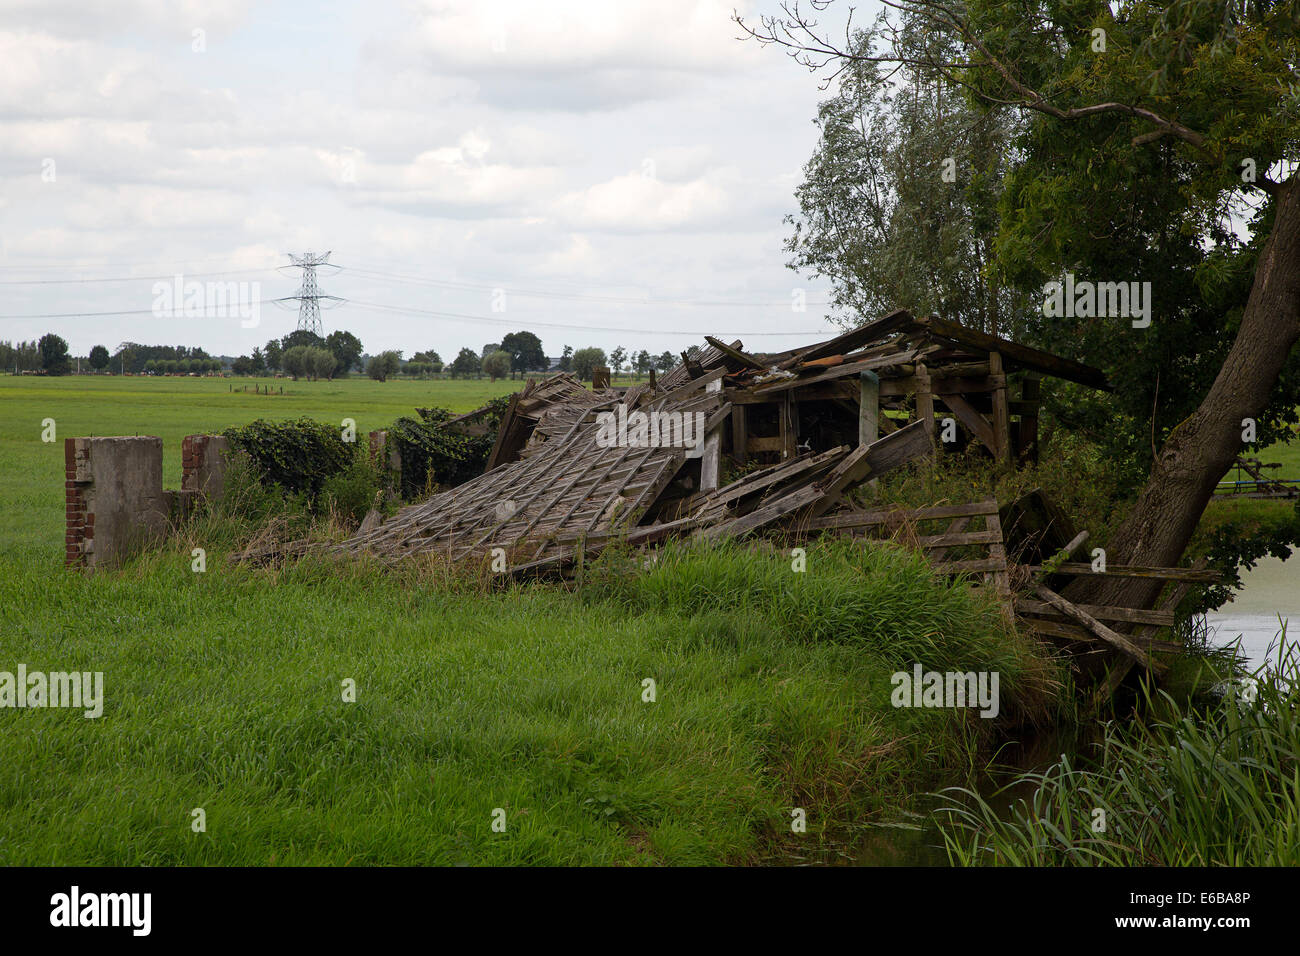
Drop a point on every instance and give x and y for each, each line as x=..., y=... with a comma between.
x=54, y=354
x=346, y=349
x=585, y=362
x=497, y=365
x=525, y=350
x=466, y=363
x=1206, y=87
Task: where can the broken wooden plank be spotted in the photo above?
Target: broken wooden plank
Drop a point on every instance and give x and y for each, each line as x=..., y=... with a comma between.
x=897, y=321
x=897, y=515
x=1103, y=612
x=762, y=516
x=876, y=459
x=1113, y=638
x=1191, y=575
x=840, y=371
x=953, y=539
x=971, y=566
x=743, y=359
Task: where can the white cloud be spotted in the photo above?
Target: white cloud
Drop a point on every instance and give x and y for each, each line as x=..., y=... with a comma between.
x=622, y=148
x=637, y=202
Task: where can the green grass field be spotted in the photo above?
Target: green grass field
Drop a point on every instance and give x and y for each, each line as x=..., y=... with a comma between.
x=224, y=690
x=31, y=472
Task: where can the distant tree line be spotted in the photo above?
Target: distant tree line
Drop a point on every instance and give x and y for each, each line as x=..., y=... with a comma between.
x=303, y=354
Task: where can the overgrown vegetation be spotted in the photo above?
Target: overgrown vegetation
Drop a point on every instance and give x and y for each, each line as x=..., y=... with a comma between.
x=296, y=455
x=433, y=454
x=1205, y=785
x=1073, y=472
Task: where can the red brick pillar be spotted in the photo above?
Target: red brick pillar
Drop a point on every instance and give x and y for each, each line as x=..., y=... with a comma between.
x=78, y=525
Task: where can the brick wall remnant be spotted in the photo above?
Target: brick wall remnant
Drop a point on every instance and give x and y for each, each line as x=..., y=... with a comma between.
x=203, y=464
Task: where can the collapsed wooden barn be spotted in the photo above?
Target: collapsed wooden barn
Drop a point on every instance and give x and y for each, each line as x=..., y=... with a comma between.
x=776, y=444
x=795, y=431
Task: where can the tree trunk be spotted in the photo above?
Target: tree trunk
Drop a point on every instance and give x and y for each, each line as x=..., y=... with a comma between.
x=1199, y=452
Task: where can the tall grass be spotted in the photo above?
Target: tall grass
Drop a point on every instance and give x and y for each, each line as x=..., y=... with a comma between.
x=223, y=692
x=1213, y=784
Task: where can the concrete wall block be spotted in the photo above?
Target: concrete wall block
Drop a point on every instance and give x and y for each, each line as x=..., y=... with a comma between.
x=115, y=502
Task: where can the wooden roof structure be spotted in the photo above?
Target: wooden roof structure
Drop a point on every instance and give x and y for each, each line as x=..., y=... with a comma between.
x=802, y=428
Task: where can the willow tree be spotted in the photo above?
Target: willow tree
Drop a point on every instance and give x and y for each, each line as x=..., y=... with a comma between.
x=1211, y=88
x=899, y=202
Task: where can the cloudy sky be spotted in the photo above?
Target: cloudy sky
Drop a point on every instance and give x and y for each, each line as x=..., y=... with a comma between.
x=619, y=169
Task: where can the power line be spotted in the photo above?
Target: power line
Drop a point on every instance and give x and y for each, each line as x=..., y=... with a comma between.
x=92, y=315
x=187, y=275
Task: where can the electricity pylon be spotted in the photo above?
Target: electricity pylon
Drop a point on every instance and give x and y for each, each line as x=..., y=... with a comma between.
x=309, y=295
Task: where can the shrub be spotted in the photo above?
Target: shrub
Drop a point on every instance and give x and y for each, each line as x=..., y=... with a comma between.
x=434, y=455
x=299, y=456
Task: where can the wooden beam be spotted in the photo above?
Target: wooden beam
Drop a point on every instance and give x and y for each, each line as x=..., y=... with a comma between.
x=505, y=445
x=840, y=371
x=711, y=460
x=973, y=420
x=953, y=538
x=897, y=321
x=869, y=413
x=971, y=566
x=1102, y=612
x=1027, y=429
x=1113, y=638
x=1032, y=358
x=1191, y=575
x=925, y=401
x=739, y=434
x=877, y=458
x=788, y=428
x=876, y=516
x=823, y=391
x=868, y=407
x=759, y=517
x=743, y=359
x=1001, y=414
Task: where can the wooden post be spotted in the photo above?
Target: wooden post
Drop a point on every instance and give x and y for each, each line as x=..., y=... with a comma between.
x=1027, y=432
x=925, y=402
x=868, y=407
x=785, y=413
x=869, y=413
x=711, y=462
x=1001, y=412
x=739, y=434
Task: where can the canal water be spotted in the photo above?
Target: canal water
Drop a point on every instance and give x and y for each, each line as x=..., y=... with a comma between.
x=1270, y=597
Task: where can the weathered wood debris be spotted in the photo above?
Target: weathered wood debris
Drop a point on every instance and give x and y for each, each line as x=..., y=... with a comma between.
x=574, y=469
x=800, y=428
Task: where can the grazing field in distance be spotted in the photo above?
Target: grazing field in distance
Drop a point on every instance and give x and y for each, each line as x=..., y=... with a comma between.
x=31, y=472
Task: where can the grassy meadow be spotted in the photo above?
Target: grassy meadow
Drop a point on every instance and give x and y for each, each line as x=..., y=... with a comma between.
x=171, y=407
x=224, y=690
